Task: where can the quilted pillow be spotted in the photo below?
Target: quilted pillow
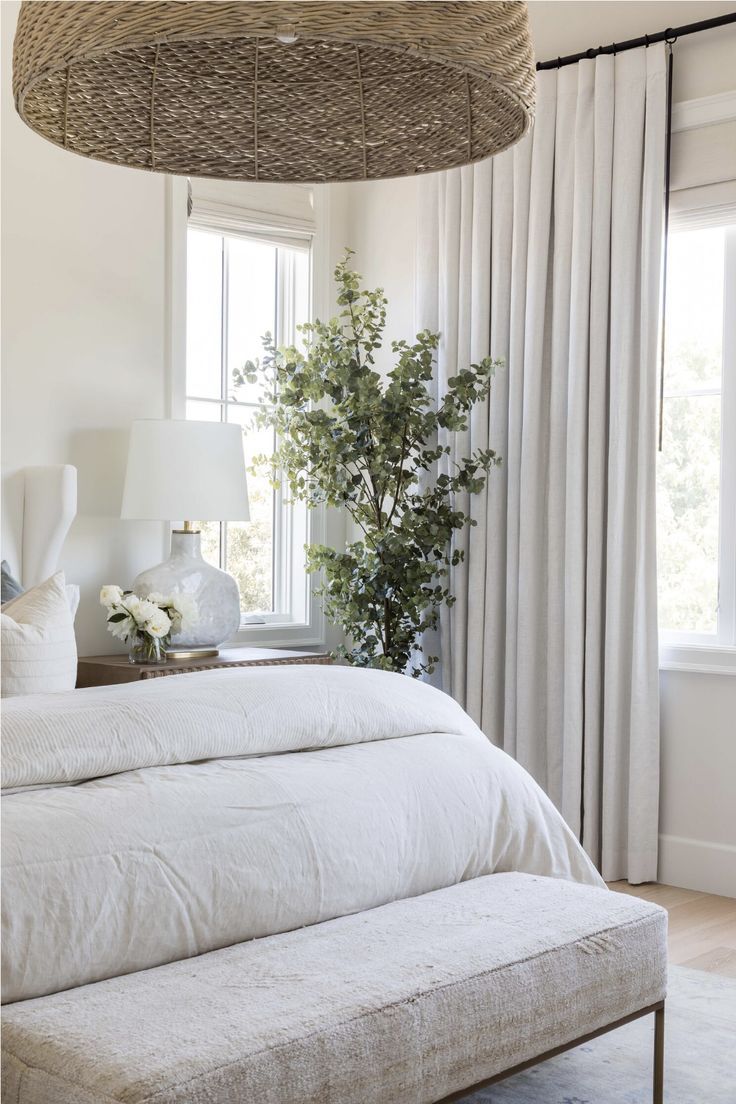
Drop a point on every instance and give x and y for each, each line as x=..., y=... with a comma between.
x=11, y=588
x=39, y=651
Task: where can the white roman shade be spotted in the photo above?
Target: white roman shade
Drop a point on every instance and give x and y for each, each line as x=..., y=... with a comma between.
x=275, y=214
x=703, y=165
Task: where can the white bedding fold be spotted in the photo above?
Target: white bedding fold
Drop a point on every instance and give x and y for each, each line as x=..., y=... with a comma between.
x=53, y=738
x=162, y=862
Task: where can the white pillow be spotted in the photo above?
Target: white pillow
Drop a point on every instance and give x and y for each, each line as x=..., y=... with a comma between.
x=72, y=597
x=39, y=651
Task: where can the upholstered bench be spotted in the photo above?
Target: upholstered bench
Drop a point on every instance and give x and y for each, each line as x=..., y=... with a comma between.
x=416, y=1001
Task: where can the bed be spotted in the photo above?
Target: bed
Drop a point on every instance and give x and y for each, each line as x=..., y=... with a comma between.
x=156, y=821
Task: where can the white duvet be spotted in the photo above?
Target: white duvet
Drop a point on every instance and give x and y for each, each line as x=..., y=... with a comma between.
x=159, y=820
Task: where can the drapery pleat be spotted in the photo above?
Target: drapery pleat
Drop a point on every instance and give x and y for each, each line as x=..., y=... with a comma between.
x=549, y=257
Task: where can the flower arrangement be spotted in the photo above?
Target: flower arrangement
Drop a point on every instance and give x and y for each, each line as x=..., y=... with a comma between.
x=147, y=624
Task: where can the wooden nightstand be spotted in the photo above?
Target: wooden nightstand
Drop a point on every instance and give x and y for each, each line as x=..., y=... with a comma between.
x=107, y=670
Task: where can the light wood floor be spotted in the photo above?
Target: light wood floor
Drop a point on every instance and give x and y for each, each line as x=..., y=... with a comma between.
x=702, y=927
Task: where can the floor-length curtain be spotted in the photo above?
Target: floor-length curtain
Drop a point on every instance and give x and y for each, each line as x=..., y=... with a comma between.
x=549, y=257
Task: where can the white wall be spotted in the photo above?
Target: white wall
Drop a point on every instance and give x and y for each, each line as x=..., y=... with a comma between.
x=84, y=337
x=698, y=805
x=697, y=821
x=381, y=227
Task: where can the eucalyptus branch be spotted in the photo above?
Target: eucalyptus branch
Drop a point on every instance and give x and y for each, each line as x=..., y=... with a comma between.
x=386, y=589
x=399, y=478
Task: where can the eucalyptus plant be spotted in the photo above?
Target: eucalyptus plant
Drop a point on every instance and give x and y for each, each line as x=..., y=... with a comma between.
x=349, y=438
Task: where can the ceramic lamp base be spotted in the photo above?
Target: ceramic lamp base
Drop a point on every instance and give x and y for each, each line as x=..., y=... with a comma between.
x=215, y=594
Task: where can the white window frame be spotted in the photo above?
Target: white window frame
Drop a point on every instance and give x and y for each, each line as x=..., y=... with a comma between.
x=233, y=211
x=715, y=653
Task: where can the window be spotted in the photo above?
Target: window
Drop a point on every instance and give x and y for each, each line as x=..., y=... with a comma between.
x=240, y=286
x=696, y=476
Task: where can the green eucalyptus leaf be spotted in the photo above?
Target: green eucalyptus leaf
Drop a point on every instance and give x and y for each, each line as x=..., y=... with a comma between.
x=349, y=438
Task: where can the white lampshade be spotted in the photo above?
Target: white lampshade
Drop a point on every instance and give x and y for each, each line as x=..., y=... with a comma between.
x=182, y=470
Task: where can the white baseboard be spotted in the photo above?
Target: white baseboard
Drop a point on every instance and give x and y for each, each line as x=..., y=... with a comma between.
x=697, y=864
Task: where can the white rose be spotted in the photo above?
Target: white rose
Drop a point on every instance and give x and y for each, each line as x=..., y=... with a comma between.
x=130, y=602
x=122, y=630
x=143, y=611
x=139, y=608
x=157, y=598
x=110, y=595
x=186, y=610
x=159, y=624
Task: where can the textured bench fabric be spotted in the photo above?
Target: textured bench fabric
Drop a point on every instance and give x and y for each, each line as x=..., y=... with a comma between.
x=410, y=1001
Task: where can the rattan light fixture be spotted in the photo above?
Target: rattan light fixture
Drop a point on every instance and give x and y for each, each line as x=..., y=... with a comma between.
x=306, y=91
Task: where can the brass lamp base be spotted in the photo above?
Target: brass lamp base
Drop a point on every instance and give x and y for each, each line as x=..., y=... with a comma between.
x=193, y=653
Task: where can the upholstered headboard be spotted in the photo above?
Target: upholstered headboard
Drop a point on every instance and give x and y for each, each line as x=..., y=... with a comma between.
x=39, y=505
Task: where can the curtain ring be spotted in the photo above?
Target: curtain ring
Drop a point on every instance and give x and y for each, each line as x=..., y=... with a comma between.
x=559, y=62
x=670, y=37
x=615, y=48
x=646, y=41
x=591, y=53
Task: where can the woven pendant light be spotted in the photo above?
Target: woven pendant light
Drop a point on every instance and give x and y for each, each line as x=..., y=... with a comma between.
x=276, y=91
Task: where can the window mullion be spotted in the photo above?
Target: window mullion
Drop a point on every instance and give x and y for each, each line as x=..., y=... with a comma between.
x=700, y=393
x=281, y=545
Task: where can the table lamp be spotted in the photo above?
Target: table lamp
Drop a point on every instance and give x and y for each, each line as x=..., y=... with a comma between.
x=188, y=469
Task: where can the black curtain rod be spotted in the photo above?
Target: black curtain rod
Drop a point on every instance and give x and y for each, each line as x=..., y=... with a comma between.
x=670, y=35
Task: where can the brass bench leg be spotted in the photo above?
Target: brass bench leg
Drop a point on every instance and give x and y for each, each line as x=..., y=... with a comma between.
x=658, y=1091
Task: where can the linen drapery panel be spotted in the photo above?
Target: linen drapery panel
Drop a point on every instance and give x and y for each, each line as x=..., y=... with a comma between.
x=549, y=257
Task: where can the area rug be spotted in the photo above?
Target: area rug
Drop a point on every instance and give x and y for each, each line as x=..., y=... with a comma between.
x=700, y=1056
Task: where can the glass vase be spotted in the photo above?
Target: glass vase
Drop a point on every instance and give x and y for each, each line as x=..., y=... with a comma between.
x=147, y=649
